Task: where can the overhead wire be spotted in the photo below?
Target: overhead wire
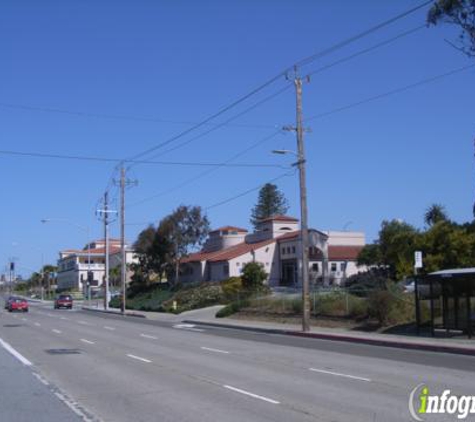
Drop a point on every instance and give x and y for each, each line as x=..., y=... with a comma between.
x=300, y=63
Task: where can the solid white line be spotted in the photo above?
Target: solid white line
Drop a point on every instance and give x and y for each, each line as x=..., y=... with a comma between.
x=214, y=350
x=148, y=336
x=87, y=341
x=10, y=349
x=54, y=330
x=247, y=393
x=139, y=358
x=109, y=328
x=339, y=375
x=40, y=378
x=73, y=406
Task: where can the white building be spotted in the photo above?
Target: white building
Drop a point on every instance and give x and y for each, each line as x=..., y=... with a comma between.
x=73, y=265
x=276, y=243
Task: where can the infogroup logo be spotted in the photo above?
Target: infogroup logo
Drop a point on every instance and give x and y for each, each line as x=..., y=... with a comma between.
x=422, y=403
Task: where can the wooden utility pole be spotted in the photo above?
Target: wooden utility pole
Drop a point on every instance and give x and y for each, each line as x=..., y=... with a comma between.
x=303, y=207
x=123, y=267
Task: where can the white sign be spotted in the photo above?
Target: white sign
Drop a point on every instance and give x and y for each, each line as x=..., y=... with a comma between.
x=417, y=259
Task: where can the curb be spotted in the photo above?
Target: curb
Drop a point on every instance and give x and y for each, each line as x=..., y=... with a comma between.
x=349, y=339
x=102, y=311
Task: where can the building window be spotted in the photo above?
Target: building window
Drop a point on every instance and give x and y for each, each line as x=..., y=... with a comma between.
x=315, y=267
x=237, y=264
x=283, y=251
x=343, y=267
x=293, y=249
x=333, y=267
x=226, y=270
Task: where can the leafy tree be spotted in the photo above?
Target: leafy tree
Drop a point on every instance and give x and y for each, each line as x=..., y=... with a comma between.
x=370, y=255
x=460, y=13
x=270, y=202
x=434, y=214
x=253, y=276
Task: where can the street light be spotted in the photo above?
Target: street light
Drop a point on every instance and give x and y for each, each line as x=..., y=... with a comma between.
x=87, y=230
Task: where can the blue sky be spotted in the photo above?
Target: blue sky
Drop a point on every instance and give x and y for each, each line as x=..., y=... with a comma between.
x=128, y=76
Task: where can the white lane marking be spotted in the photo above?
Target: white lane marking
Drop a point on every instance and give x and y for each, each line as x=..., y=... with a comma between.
x=87, y=341
x=109, y=328
x=40, y=378
x=187, y=327
x=20, y=357
x=73, y=406
x=51, y=315
x=64, y=318
x=247, y=393
x=139, y=358
x=148, y=336
x=24, y=319
x=339, y=375
x=37, y=324
x=215, y=350
x=54, y=330
x=84, y=323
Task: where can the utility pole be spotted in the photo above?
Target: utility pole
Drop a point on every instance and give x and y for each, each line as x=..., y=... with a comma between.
x=303, y=202
x=303, y=207
x=123, y=183
x=122, y=240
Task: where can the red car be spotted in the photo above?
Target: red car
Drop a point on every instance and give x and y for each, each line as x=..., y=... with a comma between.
x=17, y=304
x=63, y=301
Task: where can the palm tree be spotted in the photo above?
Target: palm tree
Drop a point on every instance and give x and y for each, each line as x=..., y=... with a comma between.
x=434, y=214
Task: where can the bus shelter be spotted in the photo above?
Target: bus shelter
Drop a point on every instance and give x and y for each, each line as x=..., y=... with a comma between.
x=445, y=300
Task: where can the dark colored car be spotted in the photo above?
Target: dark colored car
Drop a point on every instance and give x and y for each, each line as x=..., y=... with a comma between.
x=17, y=304
x=8, y=300
x=63, y=301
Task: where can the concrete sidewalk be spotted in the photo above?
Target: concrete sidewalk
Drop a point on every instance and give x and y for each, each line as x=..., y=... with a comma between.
x=207, y=317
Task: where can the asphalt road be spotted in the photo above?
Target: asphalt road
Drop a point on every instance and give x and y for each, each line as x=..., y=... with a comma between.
x=131, y=369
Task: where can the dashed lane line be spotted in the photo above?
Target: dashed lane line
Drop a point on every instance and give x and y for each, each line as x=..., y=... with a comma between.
x=337, y=374
x=248, y=393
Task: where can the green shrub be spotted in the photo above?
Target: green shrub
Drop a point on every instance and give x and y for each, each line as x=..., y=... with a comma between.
x=232, y=308
x=390, y=309
x=232, y=288
x=253, y=276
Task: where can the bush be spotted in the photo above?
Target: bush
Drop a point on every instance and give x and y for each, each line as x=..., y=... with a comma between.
x=363, y=284
x=389, y=309
x=253, y=276
x=232, y=308
x=232, y=288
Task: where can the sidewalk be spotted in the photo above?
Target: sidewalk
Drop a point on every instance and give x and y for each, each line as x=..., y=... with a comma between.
x=206, y=316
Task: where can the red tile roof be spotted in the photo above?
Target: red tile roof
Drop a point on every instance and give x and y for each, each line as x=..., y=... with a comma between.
x=280, y=218
x=230, y=228
x=341, y=253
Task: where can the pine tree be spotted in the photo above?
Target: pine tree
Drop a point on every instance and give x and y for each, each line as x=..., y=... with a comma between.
x=270, y=202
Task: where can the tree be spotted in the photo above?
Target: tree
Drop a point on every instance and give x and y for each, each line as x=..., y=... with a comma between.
x=270, y=202
x=434, y=214
x=253, y=276
x=185, y=229
x=460, y=13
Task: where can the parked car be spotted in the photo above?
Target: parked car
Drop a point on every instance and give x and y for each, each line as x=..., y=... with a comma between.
x=63, y=301
x=17, y=304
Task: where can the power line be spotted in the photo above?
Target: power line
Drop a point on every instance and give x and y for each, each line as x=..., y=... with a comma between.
x=240, y=195
x=117, y=160
x=389, y=93
x=268, y=98
x=300, y=63
x=24, y=107
x=206, y=172
x=363, y=34
x=367, y=50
